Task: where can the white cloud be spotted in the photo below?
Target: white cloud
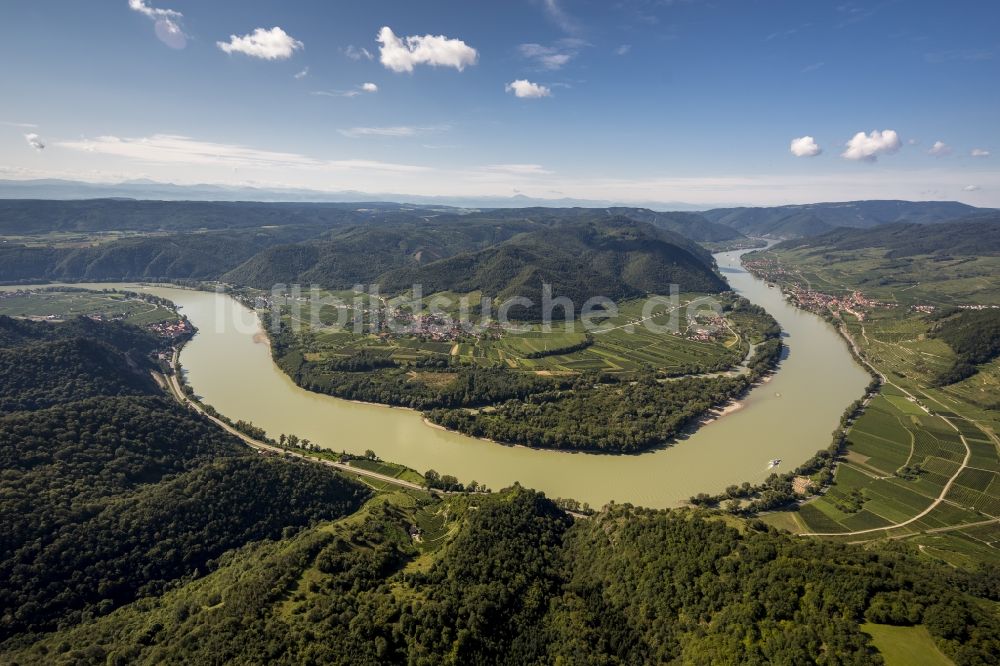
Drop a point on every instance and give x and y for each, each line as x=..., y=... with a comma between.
x=22, y=125
x=335, y=93
x=527, y=89
x=167, y=25
x=623, y=49
x=397, y=131
x=552, y=57
x=152, y=12
x=560, y=17
x=34, y=141
x=273, y=44
x=939, y=149
x=805, y=146
x=980, y=152
x=516, y=169
x=354, y=92
x=970, y=188
x=402, y=55
x=867, y=147
x=174, y=149
x=303, y=74
x=354, y=53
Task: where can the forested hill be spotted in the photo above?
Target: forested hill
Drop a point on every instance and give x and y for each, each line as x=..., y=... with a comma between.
x=112, y=491
x=360, y=254
x=974, y=238
x=46, y=364
x=617, y=257
x=693, y=226
x=818, y=218
x=260, y=244
x=517, y=582
x=39, y=216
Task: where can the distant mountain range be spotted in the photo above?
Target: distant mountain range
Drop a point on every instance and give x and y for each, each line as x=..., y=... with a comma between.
x=694, y=221
x=977, y=236
x=153, y=190
x=609, y=250
x=818, y=218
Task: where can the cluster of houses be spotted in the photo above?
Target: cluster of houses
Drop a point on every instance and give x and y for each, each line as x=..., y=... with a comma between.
x=705, y=329
x=855, y=303
x=172, y=329
x=434, y=326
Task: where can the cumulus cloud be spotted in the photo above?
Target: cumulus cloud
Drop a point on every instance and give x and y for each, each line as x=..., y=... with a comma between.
x=403, y=54
x=970, y=188
x=273, y=44
x=34, y=141
x=805, y=146
x=867, y=147
x=939, y=149
x=167, y=26
x=980, y=152
x=369, y=87
x=527, y=89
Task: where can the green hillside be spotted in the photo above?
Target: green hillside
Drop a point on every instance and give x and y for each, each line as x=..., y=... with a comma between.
x=813, y=219
x=618, y=258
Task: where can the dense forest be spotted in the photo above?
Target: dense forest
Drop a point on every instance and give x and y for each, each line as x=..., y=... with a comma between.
x=338, y=246
x=133, y=531
x=615, y=257
x=818, y=218
x=974, y=336
x=112, y=491
x=628, y=586
x=588, y=411
x=980, y=237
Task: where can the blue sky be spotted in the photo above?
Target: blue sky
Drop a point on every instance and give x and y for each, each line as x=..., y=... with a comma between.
x=635, y=100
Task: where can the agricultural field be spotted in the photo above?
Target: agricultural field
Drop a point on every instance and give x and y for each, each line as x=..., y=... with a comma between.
x=624, y=342
x=906, y=281
x=916, y=442
x=67, y=303
x=905, y=646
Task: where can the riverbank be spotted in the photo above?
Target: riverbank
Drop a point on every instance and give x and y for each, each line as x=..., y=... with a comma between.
x=239, y=378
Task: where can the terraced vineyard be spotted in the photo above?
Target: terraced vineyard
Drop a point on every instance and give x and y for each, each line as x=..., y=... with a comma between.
x=624, y=345
x=48, y=302
x=922, y=460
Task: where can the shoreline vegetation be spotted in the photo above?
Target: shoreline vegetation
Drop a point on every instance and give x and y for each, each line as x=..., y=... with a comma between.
x=815, y=475
x=259, y=556
x=918, y=458
x=580, y=412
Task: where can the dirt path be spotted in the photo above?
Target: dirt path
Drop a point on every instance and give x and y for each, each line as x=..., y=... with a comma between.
x=947, y=486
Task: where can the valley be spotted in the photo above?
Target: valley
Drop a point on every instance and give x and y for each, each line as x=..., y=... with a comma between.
x=922, y=460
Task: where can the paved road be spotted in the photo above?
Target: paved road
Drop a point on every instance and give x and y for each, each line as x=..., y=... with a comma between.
x=178, y=393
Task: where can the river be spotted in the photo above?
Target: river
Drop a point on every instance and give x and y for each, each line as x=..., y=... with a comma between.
x=228, y=363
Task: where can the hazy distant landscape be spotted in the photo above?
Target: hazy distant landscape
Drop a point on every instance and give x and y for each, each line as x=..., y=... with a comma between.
x=536, y=332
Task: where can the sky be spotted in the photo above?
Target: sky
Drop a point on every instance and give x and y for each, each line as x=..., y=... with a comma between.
x=712, y=102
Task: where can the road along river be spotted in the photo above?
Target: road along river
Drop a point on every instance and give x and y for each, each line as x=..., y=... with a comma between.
x=791, y=416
